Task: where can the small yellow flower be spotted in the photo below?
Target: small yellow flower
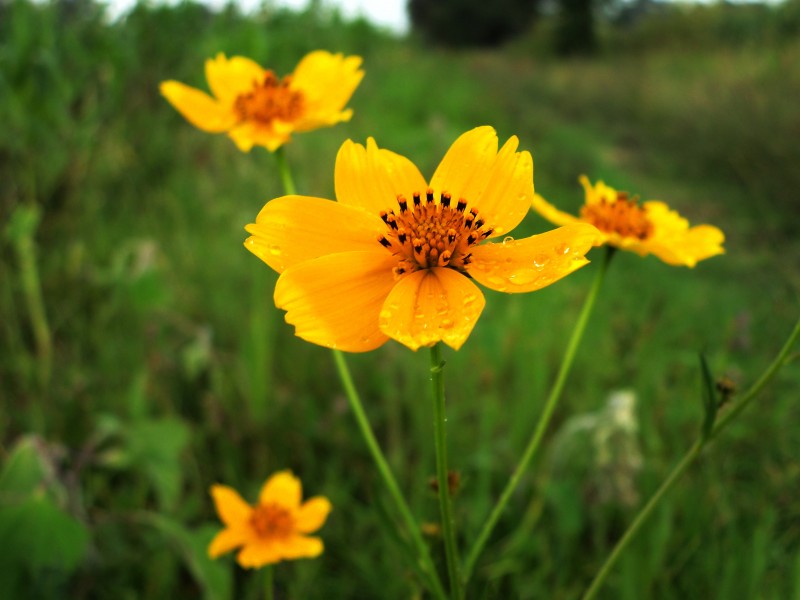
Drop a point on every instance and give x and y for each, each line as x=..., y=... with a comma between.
x=649, y=228
x=396, y=257
x=256, y=108
x=272, y=530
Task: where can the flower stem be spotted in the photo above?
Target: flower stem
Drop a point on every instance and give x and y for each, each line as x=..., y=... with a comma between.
x=545, y=417
x=391, y=484
x=445, y=503
x=269, y=587
x=286, y=174
x=687, y=460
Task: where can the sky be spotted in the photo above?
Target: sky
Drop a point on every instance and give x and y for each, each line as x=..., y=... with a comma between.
x=386, y=13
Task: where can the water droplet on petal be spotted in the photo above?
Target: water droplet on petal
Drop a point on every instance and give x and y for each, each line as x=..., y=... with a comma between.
x=508, y=239
x=447, y=324
x=469, y=299
x=275, y=250
x=562, y=249
x=540, y=260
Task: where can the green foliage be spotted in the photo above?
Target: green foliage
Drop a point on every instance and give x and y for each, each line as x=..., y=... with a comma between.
x=162, y=384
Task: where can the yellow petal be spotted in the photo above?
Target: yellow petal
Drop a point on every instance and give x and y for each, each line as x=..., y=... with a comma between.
x=227, y=540
x=674, y=242
x=249, y=134
x=200, y=109
x=551, y=213
x=283, y=489
x=294, y=229
x=334, y=300
x=259, y=553
x=597, y=193
x=231, y=508
x=499, y=185
x=372, y=178
x=300, y=546
x=327, y=81
x=228, y=78
x=535, y=262
x=312, y=514
x=432, y=305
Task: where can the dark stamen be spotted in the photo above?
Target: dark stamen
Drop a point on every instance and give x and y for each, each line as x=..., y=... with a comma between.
x=445, y=199
x=403, y=203
x=416, y=198
x=462, y=205
x=429, y=195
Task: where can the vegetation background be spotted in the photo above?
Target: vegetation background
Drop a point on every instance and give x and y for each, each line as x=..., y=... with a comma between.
x=138, y=366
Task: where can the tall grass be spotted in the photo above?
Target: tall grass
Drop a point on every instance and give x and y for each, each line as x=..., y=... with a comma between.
x=149, y=298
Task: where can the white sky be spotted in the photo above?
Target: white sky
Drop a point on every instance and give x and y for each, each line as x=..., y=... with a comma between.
x=386, y=13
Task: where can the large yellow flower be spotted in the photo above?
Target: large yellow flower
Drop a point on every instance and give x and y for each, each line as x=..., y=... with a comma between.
x=256, y=108
x=649, y=228
x=272, y=530
x=396, y=256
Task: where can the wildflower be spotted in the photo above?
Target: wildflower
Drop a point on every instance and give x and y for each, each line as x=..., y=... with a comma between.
x=272, y=530
x=396, y=257
x=648, y=228
x=256, y=108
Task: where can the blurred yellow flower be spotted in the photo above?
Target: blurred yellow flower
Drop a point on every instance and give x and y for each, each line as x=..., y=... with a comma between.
x=256, y=108
x=649, y=228
x=272, y=530
x=396, y=257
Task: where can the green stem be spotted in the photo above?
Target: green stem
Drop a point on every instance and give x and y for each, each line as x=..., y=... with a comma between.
x=286, y=174
x=269, y=586
x=445, y=500
x=386, y=474
x=544, y=419
x=687, y=460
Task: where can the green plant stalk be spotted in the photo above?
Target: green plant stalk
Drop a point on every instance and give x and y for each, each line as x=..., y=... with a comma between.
x=428, y=568
x=269, y=586
x=23, y=241
x=353, y=398
x=544, y=419
x=687, y=461
x=445, y=500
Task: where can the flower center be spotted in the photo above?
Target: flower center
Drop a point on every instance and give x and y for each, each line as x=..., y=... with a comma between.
x=271, y=521
x=429, y=234
x=623, y=216
x=271, y=98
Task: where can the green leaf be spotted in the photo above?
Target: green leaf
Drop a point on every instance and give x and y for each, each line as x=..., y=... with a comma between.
x=23, y=471
x=710, y=400
x=214, y=577
x=41, y=536
x=154, y=448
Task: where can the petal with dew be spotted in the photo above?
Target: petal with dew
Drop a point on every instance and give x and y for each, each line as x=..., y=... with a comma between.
x=327, y=81
x=372, y=177
x=197, y=107
x=283, y=489
x=335, y=300
x=300, y=546
x=432, y=305
x=535, y=262
x=551, y=213
x=231, y=508
x=227, y=540
x=259, y=553
x=502, y=190
x=312, y=514
x=228, y=78
x=499, y=185
x=293, y=229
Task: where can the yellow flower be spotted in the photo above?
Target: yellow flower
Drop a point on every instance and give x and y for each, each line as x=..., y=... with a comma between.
x=396, y=257
x=272, y=530
x=649, y=228
x=256, y=108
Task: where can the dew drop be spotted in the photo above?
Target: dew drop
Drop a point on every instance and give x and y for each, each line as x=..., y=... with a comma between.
x=540, y=260
x=469, y=299
x=275, y=250
x=446, y=324
x=385, y=315
x=508, y=239
x=562, y=248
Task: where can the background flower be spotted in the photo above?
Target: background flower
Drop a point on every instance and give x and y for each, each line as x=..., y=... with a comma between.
x=648, y=228
x=273, y=529
x=256, y=108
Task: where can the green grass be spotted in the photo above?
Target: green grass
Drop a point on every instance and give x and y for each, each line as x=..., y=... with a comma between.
x=160, y=387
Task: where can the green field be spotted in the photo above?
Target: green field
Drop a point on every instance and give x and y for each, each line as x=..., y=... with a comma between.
x=164, y=366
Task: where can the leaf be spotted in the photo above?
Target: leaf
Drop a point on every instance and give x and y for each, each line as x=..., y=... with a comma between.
x=710, y=400
x=23, y=471
x=41, y=536
x=215, y=578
